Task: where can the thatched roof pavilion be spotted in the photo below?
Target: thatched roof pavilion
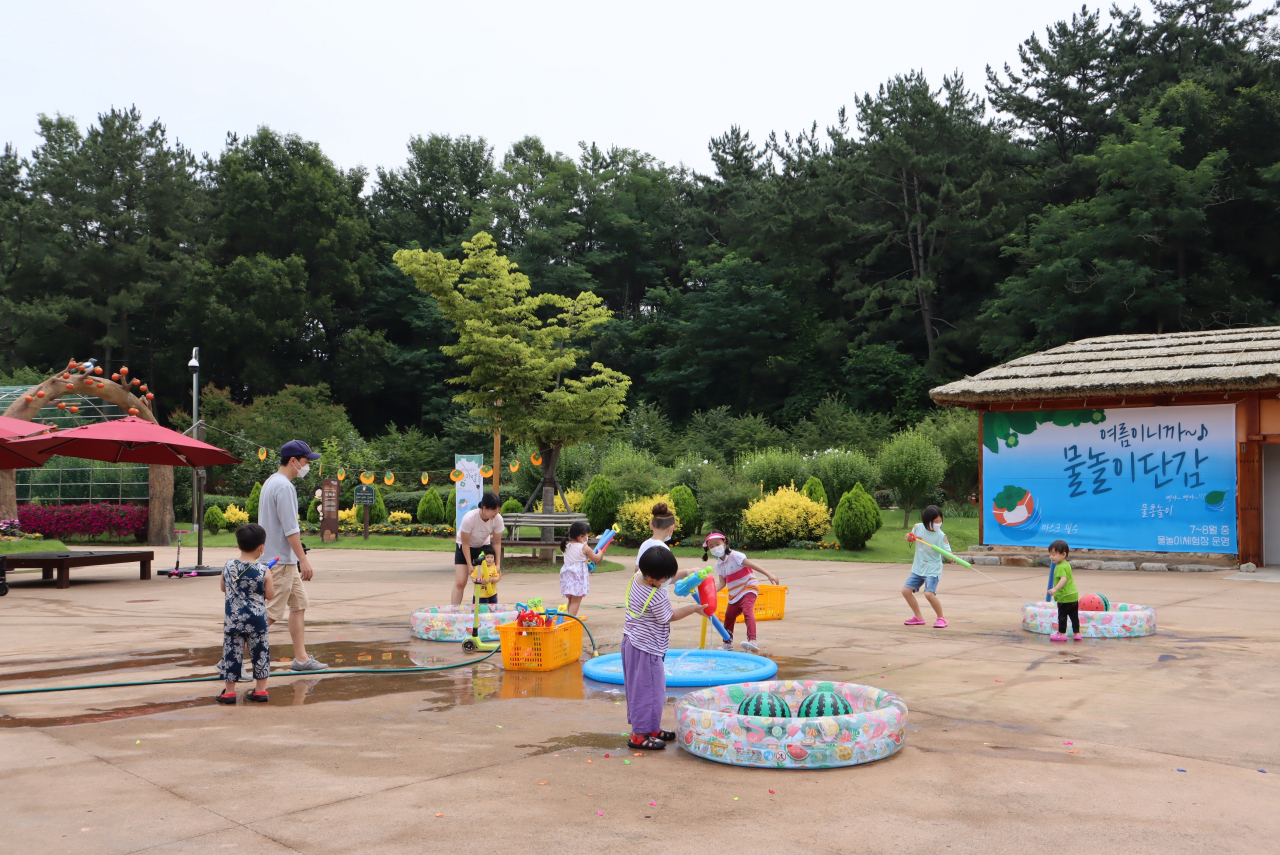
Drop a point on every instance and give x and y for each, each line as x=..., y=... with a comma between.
x=1120, y=366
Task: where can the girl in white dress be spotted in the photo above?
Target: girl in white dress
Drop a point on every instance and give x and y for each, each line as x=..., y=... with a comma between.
x=575, y=576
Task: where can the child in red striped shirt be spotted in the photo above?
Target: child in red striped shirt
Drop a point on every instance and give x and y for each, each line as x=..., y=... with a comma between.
x=736, y=573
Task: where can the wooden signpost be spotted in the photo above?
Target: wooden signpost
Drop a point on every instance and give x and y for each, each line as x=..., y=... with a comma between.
x=365, y=496
x=329, y=510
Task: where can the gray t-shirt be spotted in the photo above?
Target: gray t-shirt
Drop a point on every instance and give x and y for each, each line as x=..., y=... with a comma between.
x=278, y=514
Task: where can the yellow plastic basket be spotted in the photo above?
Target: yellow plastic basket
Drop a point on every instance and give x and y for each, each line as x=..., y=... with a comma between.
x=771, y=603
x=540, y=648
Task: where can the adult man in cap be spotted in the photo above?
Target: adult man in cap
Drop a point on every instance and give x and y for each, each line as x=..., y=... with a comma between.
x=278, y=514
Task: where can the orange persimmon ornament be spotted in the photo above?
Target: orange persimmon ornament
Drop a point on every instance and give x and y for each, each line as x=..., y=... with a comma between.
x=457, y=475
x=486, y=471
x=426, y=479
x=514, y=465
x=535, y=459
x=366, y=477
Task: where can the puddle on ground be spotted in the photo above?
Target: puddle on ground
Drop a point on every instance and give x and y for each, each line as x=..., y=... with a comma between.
x=555, y=744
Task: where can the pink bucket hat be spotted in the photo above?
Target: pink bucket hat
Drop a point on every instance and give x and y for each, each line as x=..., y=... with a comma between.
x=714, y=534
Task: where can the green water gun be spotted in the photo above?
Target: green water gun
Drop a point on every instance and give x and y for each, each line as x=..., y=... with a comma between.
x=940, y=551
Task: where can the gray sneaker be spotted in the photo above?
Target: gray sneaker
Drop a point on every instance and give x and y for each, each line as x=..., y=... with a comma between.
x=728, y=645
x=246, y=675
x=750, y=647
x=310, y=665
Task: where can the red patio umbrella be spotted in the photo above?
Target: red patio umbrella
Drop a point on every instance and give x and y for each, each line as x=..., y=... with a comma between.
x=127, y=440
x=12, y=429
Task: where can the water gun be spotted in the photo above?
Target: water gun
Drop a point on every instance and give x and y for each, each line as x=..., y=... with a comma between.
x=601, y=545
x=702, y=588
x=938, y=549
x=273, y=562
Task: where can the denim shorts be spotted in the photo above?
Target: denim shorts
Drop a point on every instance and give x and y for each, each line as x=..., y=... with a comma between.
x=930, y=583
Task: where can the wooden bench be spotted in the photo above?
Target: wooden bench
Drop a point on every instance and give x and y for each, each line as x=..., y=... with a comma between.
x=62, y=562
x=515, y=522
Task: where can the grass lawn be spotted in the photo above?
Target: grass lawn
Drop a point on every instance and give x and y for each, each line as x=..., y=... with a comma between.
x=886, y=545
x=527, y=565
x=13, y=547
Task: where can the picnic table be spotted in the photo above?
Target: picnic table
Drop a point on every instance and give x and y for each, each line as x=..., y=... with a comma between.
x=62, y=562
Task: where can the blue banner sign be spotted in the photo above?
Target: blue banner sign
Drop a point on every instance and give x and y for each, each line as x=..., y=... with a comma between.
x=1154, y=479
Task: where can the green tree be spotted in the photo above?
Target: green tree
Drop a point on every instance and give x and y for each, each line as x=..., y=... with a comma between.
x=856, y=519
x=214, y=520
x=912, y=467
x=451, y=507
x=955, y=432
x=432, y=200
x=840, y=470
x=251, y=506
x=430, y=508
x=519, y=351
x=686, y=508
x=512, y=506
x=600, y=503
x=814, y=490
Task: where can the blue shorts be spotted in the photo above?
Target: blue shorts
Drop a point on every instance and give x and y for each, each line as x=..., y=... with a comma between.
x=930, y=583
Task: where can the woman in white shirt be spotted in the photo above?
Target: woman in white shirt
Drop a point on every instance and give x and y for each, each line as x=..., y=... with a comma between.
x=479, y=532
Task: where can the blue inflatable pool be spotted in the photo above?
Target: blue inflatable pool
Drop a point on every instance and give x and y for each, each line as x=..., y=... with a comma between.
x=691, y=668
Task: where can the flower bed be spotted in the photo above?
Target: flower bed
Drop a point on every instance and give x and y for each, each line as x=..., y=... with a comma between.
x=413, y=530
x=811, y=544
x=88, y=520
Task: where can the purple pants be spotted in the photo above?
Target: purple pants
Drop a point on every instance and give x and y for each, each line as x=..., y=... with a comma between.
x=646, y=688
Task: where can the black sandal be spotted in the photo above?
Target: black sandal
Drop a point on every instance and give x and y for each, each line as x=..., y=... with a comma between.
x=257, y=697
x=650, y=743
x=227, y=698
x=666, y=736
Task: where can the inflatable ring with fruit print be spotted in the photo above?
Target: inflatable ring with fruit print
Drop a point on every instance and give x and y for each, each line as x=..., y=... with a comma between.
x=1120, y=620
x=453, y=623
x=825, y=725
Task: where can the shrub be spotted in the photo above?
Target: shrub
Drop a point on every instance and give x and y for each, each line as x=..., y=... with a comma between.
x=955, y=432
x=634, y=472
x=839, y=469
x=512, y=506
x=857, y=518
x=399, y=518
x=600, y=503
x=89, y=520
x=407, y=501
x=235, y=517
x=783, y=516
x=214, y=519
x=451, y=507
x=814, y=490
x=430, y=510
x=634, y=517
x=686, y=508
x=775, y=468
x=912, y=467
x=377, y=513
x=348, y=517
x=722, y=498
x=885, y=499
x=251, y=504
x=222, y=502
x=574, y=497
x=313, y=511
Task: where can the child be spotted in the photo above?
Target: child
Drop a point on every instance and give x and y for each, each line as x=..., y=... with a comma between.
x=486, y=576
x=575, y=575
x=1064, y=591
x=646, y=635
x=248, y=586
x=926, y=568
x=735, y=572
x=663, y=526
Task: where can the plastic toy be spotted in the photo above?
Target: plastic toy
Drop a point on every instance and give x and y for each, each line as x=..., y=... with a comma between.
x=703, y=595
x=709, y=725
x=823, y=703
x=454, y=623
x=1123, y=620
x=939, y=550
x=765, y=704
x=1094, y=603
x=483, y=580
x=601, y=545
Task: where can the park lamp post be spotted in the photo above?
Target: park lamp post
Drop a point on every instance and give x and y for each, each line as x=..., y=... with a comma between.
x=197, y=474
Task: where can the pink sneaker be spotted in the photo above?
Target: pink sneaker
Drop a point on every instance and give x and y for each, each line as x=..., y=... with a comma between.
x=913, y=621
x=940, y=623
x=1079, y=637
x=1057, y=636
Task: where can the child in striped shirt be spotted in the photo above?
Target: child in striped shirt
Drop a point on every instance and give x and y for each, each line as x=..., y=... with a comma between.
x=735, y=572
x=646, y=635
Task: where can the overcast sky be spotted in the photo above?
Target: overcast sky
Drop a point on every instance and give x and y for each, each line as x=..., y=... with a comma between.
x=362, y=77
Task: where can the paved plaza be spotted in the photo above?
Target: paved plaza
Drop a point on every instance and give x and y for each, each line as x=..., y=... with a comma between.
x=1013, y=744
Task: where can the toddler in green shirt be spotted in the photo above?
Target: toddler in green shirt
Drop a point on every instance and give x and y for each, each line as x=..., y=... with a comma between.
x=1064, y=591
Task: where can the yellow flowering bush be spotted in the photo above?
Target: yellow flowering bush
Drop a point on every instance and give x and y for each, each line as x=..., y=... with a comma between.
x=400, y=518
x=347, y=517
x=634, y=517
x=781, y=517
x=235, y=517
x=575, y=500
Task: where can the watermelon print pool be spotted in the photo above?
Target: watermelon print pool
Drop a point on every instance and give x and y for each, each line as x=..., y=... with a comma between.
x=690, y=668
x=453, y=623
x=708, y=725
x=1122, y=620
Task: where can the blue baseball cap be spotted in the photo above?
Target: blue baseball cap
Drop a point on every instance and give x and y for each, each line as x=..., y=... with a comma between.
x=296, y=448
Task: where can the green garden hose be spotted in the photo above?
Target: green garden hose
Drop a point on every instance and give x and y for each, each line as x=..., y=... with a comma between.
x=277, y=674
x=594, y=652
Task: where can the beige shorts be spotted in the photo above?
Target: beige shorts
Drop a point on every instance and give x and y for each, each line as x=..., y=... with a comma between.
x=289, y=590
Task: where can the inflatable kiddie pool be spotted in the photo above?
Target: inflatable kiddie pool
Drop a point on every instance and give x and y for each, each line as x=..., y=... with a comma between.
x=709, y=726
x=453, y=623
x=690, y=668
x=1123, y=620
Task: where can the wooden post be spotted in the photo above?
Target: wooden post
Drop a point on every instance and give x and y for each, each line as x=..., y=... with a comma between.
x=982, y=501
x=366, y=522
x=329, y=496
x=1249, y=479
x=497, y=461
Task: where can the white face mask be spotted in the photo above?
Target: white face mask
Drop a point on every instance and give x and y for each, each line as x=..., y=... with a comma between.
x=717, y=551
x=302, y=473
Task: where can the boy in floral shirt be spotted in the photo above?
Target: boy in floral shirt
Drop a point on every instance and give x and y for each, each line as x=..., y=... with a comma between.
x=247, y=585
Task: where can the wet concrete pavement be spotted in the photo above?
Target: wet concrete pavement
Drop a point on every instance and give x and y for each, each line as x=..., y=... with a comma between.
x=479, y=760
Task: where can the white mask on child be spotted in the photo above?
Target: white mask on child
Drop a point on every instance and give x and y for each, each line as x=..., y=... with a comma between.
x=717, y=551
